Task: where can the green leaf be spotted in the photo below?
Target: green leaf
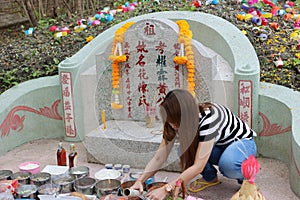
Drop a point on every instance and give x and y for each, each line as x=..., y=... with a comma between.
x=296, y=61
x=56, y=61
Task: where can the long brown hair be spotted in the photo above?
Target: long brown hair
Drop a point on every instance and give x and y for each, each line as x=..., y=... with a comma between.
x=179, y=108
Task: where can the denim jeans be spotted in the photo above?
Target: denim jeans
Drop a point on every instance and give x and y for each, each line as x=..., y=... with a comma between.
x=229, y=158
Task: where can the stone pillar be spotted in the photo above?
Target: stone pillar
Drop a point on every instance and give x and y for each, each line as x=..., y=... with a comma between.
x=68, y=70
x=246, y=89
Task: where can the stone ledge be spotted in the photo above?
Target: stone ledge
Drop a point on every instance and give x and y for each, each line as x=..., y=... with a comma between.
x=128, y=142
x=289, y=99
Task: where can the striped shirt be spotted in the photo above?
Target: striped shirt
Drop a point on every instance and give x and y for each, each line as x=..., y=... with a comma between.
x=220, y=123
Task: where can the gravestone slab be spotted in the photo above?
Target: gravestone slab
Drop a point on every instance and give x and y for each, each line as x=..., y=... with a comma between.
x=146, y=77
x=149, y=73
x=128, y=142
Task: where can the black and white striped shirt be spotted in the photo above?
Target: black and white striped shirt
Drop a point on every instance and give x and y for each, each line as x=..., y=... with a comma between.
x=220, y=123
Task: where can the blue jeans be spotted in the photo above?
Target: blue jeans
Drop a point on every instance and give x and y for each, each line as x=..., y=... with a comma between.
x=229, y=158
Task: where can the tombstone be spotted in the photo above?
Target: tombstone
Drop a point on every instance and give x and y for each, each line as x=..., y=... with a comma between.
x=147, y=75
x=128, y=140
x=150, y=72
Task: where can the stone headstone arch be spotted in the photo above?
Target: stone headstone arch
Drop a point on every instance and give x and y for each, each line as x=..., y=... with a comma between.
x=150, y=72
x=78, y=117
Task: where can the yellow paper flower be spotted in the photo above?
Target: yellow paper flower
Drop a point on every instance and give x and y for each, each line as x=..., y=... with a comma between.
x=116, y=59
x=181, y=60
x=185, y=37
x=88, y=39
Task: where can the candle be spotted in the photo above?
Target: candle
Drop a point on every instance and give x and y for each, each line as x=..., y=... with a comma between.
x=181, y=49
x=103, y=119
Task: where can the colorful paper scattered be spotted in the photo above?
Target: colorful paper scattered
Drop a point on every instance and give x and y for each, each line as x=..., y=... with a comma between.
x=104, y=16
x=254, y=11
x=29, y=31
x=90, y=38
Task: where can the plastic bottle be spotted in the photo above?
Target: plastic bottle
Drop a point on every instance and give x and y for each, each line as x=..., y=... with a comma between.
x=61, y=155
x=72, y=156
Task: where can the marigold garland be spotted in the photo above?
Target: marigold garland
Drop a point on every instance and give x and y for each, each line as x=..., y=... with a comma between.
x=185, y=38
x=116, y=59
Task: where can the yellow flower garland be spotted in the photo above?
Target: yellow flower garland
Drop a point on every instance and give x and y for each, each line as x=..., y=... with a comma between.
x=185, y=37
x=116, y=59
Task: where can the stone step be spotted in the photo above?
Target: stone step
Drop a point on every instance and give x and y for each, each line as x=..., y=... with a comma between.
x=128, y=142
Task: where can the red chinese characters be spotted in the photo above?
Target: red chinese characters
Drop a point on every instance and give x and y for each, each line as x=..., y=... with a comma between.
x=149, y=29
x=245, y=101
x=67, y=97
x=176, y=73
x=127, y=80
x=142, y=75
x=161, y=72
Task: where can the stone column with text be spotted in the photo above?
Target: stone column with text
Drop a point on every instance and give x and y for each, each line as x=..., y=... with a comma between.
x=70, y=100
x=246, y=89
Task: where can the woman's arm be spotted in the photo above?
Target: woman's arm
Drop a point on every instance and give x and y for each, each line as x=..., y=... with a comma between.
x=157, y=161
x=203, y=152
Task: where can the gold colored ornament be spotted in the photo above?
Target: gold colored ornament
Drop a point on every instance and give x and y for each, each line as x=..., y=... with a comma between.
x=116, y=57
x=185, y=39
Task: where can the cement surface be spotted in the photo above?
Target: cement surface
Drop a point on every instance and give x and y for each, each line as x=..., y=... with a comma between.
x=273, y=179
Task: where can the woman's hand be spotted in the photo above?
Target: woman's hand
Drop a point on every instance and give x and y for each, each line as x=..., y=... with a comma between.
x=138, y=185
x=157, y=194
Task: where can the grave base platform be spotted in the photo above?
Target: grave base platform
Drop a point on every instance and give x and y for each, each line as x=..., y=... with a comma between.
x=128, y=142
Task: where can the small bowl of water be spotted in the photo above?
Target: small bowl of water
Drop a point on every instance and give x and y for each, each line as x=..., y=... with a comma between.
x=22, y=177
x=40, y=178
x=85, y=185
x=49, y=189
x=79, y=171
x=5, y=174
x=66, y=182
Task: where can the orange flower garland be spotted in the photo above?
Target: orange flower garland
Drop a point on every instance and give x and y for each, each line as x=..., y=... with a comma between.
x=185, y=38
x=116, y=59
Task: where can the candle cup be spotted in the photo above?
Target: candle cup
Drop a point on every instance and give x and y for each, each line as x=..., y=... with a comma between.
x=274, y=25
x=245, y=7
x=256, y=20
x=264, y=21
x=263, y=37
x=287, y=17
x=281, y=12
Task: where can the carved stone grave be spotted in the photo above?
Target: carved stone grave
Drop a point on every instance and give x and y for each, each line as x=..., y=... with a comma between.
x=146, y=77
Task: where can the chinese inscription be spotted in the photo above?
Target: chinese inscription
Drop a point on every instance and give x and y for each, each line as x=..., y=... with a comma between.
x=142, y=75
x=68, y=106
x=127, y=80
x=245, y=101
x=149, y=29
x=176, y=72
x=161, y=72
x=148, y=73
